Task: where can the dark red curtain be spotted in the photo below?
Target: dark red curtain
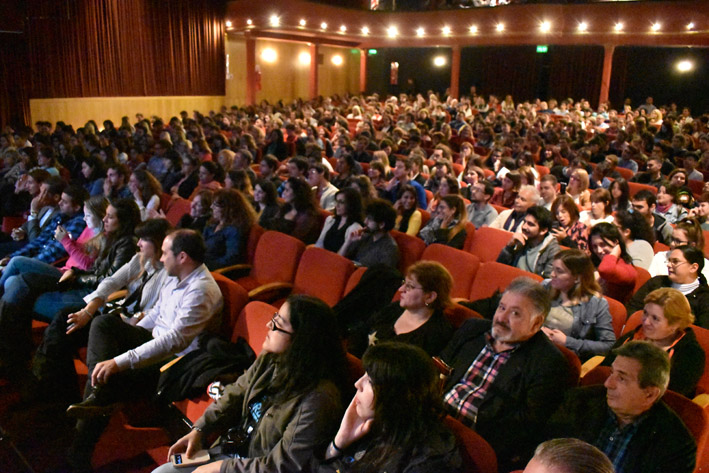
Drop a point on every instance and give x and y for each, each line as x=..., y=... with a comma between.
x=500, y=70
x=575, y=71
x=14, y=80
x=93, y=48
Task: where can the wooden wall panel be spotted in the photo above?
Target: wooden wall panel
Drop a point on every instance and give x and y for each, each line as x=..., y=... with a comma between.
x=77, y=111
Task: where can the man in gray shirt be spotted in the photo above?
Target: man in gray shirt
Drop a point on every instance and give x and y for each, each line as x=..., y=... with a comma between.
x=480, y=212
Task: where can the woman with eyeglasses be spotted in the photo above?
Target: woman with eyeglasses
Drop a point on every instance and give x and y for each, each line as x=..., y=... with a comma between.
x=395, y=421
x=667, y=320
x=578, y=188
x=684, y=273
x=286, y=405
x=686, y=232
x=417, y=318
x=226, y=237
x=347, y=219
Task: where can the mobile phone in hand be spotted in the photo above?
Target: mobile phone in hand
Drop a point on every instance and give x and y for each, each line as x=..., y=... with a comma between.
x=180, y=460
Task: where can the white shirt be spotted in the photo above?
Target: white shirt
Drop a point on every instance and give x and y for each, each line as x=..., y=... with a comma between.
x=184, y=309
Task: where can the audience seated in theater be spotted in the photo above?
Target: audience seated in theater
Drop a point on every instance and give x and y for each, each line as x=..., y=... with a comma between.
x=394, y=422
x=579, y=318
x=93, y=173
x=225, y=238
x=239, y=180
x=373, y=244
x=511, y=219
x=616, y=273
x=298, y=217
x=146, y=190
x=447, y=225
x=347, y=219
x=666, y=322
x=547, y=191
x=287, y=404
x=189, y=178
x=346, y=168
x=685, y=265
x=417, y=318
x=210, y=175
x=319, y=180
x=142, y=277
x=568, y=455
x=511, y=186
x=532, y=248
x=200, y=212
x=408, y=216
x=33, y=290
x=124, y=359
x=620, y=195
x=667, y=206
x=401, y=171
x=507, y=377
x=626, y=419
x=686, y=232
x=266, y=202
x=566, y=227
x=638, y=237
x=115, y=186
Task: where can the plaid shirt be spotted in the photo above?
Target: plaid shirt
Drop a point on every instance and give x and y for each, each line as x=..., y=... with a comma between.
x=613, y=440
x=465, y=398
x=45, y=247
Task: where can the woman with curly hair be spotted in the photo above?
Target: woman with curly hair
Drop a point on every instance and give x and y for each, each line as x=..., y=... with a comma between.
x=226, y=237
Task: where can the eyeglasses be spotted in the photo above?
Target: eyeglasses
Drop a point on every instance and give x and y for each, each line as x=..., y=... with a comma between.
x=276, y=328
x=408, y=286
x=677, y=242
x=675, y=262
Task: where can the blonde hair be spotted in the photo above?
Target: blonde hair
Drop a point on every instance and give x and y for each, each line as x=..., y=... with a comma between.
x=675, y=306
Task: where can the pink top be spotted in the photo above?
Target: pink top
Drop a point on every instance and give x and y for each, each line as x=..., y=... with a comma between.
x=78, y=258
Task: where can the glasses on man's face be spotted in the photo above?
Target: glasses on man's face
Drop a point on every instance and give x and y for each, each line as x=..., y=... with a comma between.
x=275, y=327
x=674, y=262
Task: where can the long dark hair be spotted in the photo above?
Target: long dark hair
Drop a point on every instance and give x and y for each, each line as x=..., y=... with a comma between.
x=407, y=213
x=128, y=215
x=315, y=352
x=303, y=200
x=611, y=234
x=636, y=223
x=624, y=199
x=407, y=404
x=694, y=255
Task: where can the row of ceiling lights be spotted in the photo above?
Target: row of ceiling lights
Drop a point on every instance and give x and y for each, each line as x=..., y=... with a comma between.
x=392, y=31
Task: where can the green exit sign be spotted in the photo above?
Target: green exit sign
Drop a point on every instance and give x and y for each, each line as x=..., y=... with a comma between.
x=372, y=52
x=542, y=48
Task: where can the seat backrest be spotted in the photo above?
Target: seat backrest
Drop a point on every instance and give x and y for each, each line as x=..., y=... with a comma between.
x=456, y=314
x=641, y=278
x=410, y=249
x=425, y=217
x=276, y=258
x=353, y=280
x=493, y=276
x=574, y=364
x=634, y=321
x=322, y=274
x=165, y=200
x=487, y=243
x=636, y=187
x=658, y=247
x=625, y=173
x=693, y=415
x=597, y=375
x=618, y=314
x=469, y=236
x=176, y=209
x=235, y=298
x=255, y=235
x=252, y=324
x=463, y=266
x=478, y=455
x=702, y=335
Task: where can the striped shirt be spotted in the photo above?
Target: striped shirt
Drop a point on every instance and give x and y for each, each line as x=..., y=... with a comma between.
x=613, y=440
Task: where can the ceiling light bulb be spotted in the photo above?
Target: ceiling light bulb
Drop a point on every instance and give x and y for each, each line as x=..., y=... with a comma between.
x=500, y=27
x=343, y=28
x=583, y=26
x=392, y=31
x=685, y=66
x=249, y=22
x=544, y=26
x=439, y=61
x=420, y=32
x=446, y=30
x=275, y=21
x=473, y=29
x=690, y=25
x=303, y=22
x=228, y=24
x=337, y=60
x=618, y=26
x=365, y=30
x=323, y=26
x=656, y=26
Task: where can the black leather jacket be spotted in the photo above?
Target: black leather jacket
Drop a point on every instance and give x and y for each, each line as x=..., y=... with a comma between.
x=122, y=250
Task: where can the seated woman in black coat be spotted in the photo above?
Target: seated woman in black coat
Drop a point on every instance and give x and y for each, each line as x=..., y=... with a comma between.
x=417, y=318
x=226, y=237
x=448, y=225
x=200, y=212
x=666, y=323
x=684, y=266
x=395, y=421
